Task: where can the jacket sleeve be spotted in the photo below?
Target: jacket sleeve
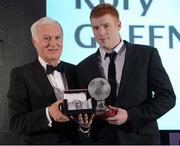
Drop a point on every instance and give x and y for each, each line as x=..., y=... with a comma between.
x=161, y=95
x=22, y=118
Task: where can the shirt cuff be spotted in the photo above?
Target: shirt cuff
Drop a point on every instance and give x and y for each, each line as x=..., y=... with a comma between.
x=48, y=118
x=85, y=131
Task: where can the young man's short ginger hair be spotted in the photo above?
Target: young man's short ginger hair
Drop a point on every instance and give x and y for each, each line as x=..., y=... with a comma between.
x=104, y=9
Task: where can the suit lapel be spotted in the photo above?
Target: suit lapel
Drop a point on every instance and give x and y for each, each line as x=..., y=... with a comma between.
x=70, y=76
x=42, y=80
x=128, y=64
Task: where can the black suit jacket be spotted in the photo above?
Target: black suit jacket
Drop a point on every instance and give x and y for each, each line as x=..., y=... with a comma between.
x=30, y=92
x=145, y=92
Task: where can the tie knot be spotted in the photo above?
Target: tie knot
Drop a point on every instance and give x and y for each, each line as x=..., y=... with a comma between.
x=50, y=68
x=111, y=55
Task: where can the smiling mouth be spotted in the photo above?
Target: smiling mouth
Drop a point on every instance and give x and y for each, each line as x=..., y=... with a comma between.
x=52, y=49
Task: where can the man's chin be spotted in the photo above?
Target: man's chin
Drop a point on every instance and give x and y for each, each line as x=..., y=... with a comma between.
x=106, y=47
x=54, y=59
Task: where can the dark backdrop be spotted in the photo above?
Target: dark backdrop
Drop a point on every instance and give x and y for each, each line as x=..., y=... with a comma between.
x=16, y=17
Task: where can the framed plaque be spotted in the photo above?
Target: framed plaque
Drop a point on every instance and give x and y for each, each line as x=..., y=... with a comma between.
x=77, y=102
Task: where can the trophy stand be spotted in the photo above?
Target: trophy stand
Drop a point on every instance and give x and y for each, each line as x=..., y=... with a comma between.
x=101, y=105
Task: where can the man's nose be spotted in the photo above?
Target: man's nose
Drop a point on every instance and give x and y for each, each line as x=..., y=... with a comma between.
x=53, y=42
x=102, y=31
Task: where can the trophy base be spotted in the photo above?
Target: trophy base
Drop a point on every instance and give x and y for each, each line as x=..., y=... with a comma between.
x=105, y=114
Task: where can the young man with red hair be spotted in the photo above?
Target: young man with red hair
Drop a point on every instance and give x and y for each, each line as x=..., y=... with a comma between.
x=141, y=92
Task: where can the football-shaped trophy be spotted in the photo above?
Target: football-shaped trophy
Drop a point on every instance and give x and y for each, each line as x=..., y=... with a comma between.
x=99, y=89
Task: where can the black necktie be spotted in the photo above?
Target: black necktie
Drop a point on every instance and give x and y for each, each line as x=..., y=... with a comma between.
x=50, y=68
x=111, y=78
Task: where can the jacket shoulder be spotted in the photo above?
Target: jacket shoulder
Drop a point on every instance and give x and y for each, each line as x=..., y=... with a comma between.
x=140, y=47
x=87, y=59
x=24, y=67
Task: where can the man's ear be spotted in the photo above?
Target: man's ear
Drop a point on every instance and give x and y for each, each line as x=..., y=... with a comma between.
x=119, y=24
x=34, y=41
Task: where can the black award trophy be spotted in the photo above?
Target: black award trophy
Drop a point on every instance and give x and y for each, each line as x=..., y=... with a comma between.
x=99, y=89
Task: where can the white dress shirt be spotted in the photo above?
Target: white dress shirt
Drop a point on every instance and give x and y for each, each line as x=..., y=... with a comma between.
x=57, y=82
x=120, y=49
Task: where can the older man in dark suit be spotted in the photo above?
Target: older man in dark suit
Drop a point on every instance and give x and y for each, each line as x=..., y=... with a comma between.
x=36, y=90
x=141, y=91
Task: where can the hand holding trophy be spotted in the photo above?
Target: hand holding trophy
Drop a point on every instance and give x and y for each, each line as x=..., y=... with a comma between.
x=99, y=89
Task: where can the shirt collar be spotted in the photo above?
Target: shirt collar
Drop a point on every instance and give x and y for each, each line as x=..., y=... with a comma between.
x=43, y=63
x=117, y=49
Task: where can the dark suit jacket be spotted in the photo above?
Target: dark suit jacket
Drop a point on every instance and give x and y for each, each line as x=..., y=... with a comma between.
x=30, y=92
x=145, y=92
